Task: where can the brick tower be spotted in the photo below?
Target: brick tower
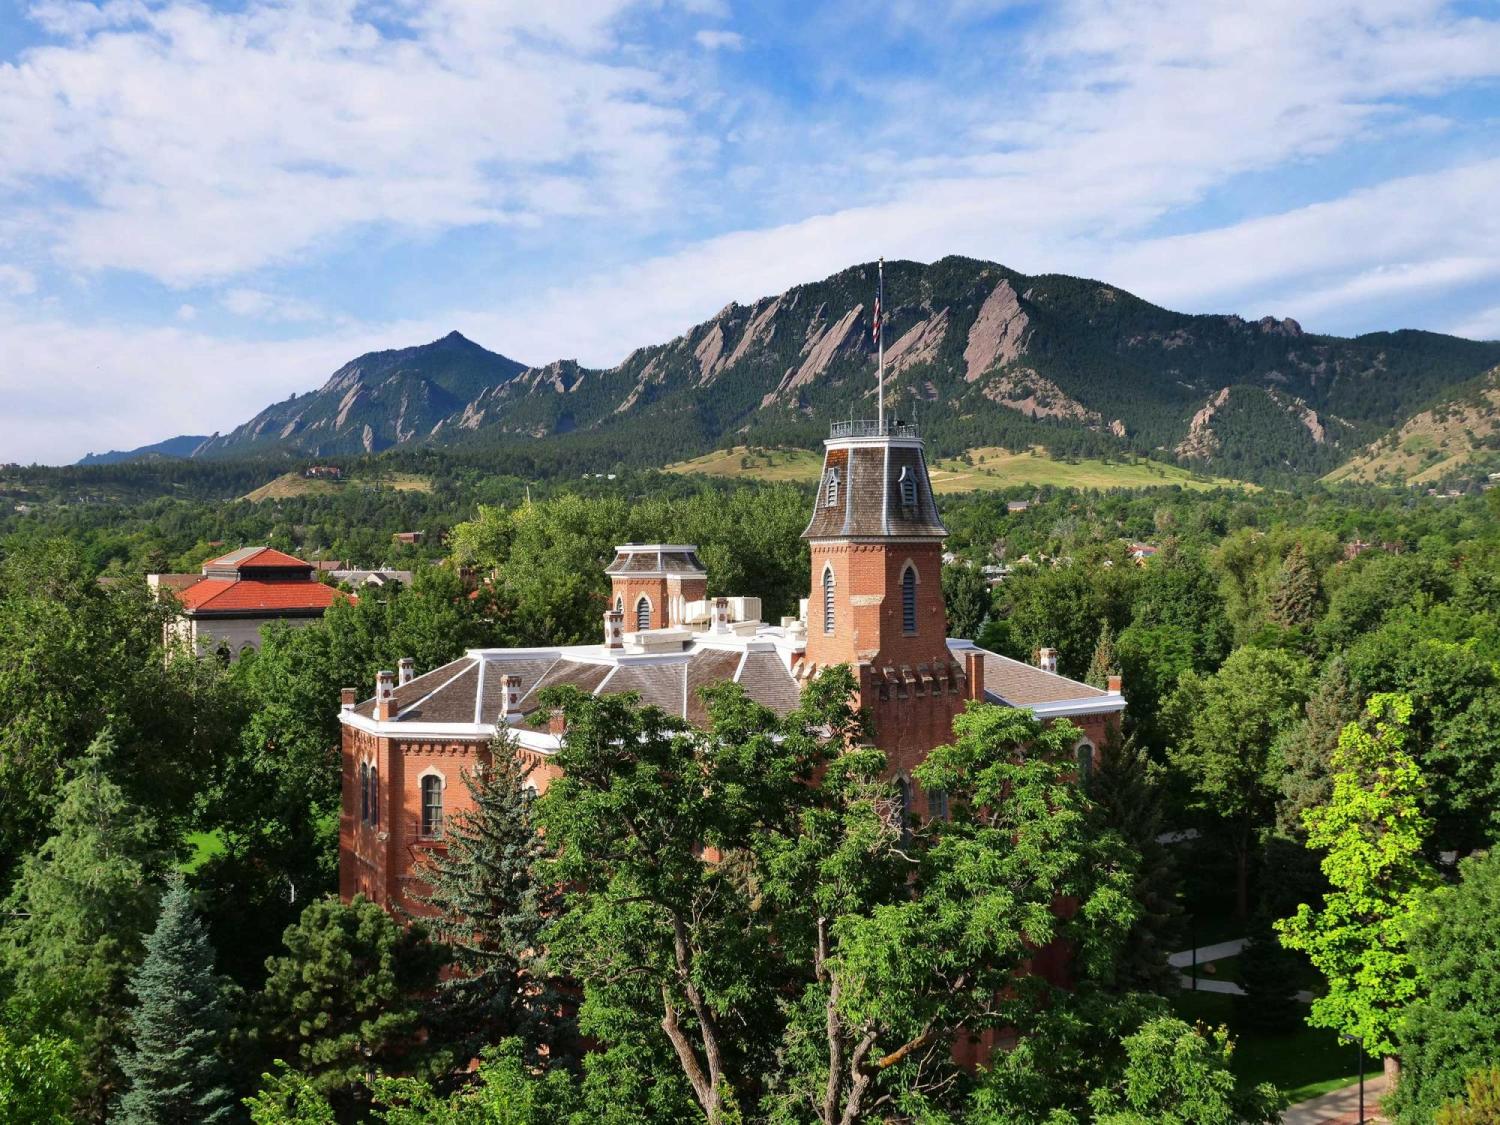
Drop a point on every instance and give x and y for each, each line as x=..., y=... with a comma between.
x=876, y=599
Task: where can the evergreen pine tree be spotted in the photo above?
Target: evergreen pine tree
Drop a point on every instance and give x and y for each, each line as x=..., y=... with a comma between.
x=76, y=917
x=173, y=1066
x=1104, y=663
x=1126, y=797
x=1268, y=974
x=488, y=910
x=1307, y=749
x=1296, y=598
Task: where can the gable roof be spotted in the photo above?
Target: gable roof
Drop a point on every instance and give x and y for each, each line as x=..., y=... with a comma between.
x=261, y=558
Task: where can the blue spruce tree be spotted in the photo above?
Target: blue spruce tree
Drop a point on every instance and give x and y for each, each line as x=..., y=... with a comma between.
x=173, y=1067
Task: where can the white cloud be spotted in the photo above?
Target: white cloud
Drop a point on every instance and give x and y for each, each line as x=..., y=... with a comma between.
x=718, y=40
x=256, y=304
x=209, y=143
x=17, y=281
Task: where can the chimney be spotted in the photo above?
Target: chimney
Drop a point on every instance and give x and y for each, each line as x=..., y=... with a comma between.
x=347, y=699
x=510, y=691
x=974, y=673
x=1047, y=660
x=614, y=628
x=407, y=669
x=385, y=695
x=1116, y=685
x=720, y=616
x=557, y=723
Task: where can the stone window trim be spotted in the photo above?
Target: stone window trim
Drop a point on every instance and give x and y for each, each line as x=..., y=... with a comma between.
x=431, y=813
x=830, y=586
x=910, y=579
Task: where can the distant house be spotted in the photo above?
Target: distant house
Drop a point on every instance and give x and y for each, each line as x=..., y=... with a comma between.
x=328, y=566
x=325, y=472
x=1356, y=548
x=224, y=607
x=1017, y=505
x=1140, y=552
x=372, y=578
x=409, y=536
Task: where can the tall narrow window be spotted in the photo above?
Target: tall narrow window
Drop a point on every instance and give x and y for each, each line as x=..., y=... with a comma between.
x=364, y=793
x=642, y=615
x=831, y=497
x=828, y=621
x=619, y=603
x=909, y=599
x=937, y=804
x=374, y=795
x=904, y=797
x=432, y=806
x=908, y=484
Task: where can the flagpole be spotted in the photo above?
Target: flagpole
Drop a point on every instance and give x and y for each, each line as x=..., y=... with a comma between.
x=880, y=348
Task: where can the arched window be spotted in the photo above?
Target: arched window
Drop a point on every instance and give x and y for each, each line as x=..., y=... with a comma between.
x=831, y=496
x=909, y=599
x=642, y=614
x=904, y=795
x=1085, y=753
x=432, y=806
x=828, y=619
x=908, y=485
x=364, y=793
x=619, y=603
x=374, y=795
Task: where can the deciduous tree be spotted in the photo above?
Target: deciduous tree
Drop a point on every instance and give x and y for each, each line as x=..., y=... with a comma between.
x=1373, y=831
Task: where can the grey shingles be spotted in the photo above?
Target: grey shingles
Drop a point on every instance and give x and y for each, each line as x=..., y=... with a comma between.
x=1011, y=681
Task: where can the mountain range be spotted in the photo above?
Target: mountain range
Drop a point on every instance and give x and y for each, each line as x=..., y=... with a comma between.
x=977, y=353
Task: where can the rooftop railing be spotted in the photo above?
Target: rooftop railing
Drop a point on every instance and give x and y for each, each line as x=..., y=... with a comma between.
x=869, y=427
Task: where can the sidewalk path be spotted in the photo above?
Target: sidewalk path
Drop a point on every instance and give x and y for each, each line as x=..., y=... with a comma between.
x=1185, y=959
x=1340, y=1107
x=1215, y=952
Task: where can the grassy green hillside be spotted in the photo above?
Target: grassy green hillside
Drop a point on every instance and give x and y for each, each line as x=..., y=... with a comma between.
x=985, y=468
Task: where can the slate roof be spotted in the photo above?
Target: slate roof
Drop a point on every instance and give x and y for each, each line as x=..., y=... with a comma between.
x=868, y=500
x=1023, y=685
x=471, y=690
x=653, y=558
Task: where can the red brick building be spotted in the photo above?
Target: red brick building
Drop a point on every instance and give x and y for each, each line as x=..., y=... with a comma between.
x=875, y=602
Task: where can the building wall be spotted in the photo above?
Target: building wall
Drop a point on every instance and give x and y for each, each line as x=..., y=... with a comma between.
x=383, y=861
x=239, y=633
x=669, y=597
x=868, y=623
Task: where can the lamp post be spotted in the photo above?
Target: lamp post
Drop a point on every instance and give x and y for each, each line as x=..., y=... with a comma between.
x=1360, y=1046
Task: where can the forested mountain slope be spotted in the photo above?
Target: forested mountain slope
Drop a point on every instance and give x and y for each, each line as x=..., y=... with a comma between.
x=979, y=354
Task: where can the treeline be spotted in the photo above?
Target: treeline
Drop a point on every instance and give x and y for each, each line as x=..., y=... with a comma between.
x=168, y=838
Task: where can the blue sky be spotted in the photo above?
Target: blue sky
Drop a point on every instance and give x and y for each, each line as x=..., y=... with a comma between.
x=207, y=207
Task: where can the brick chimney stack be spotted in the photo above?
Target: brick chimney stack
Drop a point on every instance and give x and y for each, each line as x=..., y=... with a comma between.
x=1047, y=660
x=720, y=615
x=385, y=695
x=1116, y=684
x=347, y=700
x=510, y=691
x=614, y=628
x=557, y=723
x=407, y=670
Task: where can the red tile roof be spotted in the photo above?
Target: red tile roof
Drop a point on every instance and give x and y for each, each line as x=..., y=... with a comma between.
x=258, y=557
x=225, y=595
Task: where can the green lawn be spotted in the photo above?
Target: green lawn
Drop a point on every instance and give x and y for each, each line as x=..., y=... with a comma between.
x=205, y=846
x=1302, y=1063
